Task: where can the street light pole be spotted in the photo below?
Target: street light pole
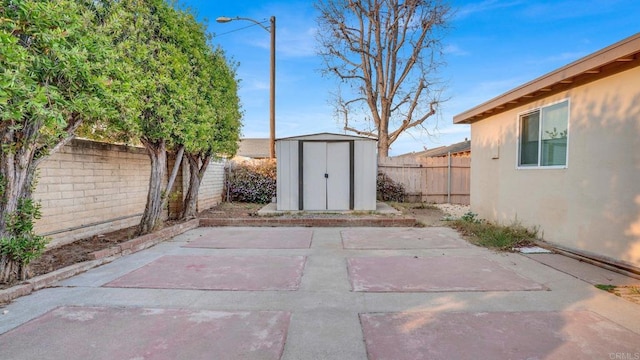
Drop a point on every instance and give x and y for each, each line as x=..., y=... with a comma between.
x=272, y=92
x=272, y=77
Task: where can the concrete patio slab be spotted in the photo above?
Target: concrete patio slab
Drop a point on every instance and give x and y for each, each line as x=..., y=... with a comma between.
x=258, y=273
x=402, y=238
x=143, y=333
x=323, y=314
x=426, y=274
x=253, y=238
x=583, y=271
x=495, y=335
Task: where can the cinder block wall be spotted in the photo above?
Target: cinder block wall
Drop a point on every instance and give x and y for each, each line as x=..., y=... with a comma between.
x=89, y=188
x=212, y=186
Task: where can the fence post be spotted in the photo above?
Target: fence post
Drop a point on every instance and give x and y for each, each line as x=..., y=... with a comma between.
x=449, y=177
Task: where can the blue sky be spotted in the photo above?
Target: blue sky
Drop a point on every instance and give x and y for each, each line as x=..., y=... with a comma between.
x=491, y=47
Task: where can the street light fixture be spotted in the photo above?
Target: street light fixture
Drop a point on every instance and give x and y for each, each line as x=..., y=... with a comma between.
x=272, y=76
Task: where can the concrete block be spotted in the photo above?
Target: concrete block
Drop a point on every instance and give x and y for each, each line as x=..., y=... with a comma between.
x=70, y=165
x=48, y=195
x=61, y=173
x=54, y=188
x=105, y=172
x=84, y=186
x=81, y=172
x=62, y=203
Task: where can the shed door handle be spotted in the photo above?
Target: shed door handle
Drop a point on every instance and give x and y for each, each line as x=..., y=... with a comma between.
x=326, y=176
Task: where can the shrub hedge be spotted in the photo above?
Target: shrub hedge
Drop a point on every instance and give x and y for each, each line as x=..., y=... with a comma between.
x=252, y=182
x=389, y=190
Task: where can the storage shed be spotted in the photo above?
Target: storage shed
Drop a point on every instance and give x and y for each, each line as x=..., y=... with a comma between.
x=326, y=172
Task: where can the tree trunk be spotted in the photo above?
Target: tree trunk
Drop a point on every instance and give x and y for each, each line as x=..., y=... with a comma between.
x=17, y=171
x=383, y=145
x=197, y=169
x=173, y=176
x=157, y=151
x=15, y=183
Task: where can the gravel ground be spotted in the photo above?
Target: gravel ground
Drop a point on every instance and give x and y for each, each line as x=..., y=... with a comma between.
x=454, y=210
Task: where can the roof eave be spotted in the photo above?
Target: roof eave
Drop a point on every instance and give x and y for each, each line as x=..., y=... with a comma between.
x=615, y=58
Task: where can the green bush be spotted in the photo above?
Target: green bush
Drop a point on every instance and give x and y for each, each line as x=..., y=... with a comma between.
x=21, y=245
x=252, y=183
x=389, y=190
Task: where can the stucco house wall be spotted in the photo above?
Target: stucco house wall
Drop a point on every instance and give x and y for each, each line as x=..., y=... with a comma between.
x=592, y=205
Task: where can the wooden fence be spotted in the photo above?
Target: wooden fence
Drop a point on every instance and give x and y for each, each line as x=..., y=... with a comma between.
x=433, y=180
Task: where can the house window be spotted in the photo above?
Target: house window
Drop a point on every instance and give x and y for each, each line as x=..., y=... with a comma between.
x=543, y=136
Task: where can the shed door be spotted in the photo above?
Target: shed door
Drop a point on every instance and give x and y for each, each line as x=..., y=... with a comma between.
x=338, y=182
x=326, y=175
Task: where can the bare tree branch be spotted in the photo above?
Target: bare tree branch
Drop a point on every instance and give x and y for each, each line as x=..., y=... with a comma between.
x=408, y=124
x=361, y=132
x=69, y=134
x=384, y=52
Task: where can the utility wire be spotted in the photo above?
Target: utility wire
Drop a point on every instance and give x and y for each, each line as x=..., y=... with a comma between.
x=242, y=28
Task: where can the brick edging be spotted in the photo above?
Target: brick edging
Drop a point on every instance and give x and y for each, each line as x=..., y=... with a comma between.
x=100, y=257
x=311, y=222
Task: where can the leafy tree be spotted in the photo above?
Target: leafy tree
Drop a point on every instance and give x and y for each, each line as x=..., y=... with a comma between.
x=385, y=52
x=56, y=72
x=152, y=39
x=180, y=95
x=217, y=129
x=211, y=126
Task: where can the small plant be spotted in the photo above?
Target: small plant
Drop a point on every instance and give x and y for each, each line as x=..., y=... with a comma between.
x=389, y=190
x=21, y=245
x=470, y=217
x=494, y=236
x=605, y=287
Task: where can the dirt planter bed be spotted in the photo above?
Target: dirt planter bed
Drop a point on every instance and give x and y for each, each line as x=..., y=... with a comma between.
x=99, y=257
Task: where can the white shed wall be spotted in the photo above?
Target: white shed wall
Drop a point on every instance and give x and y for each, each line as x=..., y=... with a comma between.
x=365, y=171
x=287, y=175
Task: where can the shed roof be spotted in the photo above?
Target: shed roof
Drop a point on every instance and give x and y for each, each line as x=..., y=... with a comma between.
x=613, y=59
x=328, y=136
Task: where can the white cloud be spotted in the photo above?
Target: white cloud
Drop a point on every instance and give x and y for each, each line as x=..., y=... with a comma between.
x=483, y=6
x=568, y=9
x=455, y=129
x=296, y=43
x=478, y=92
x=255, y=85
x=291, y=42
x=562, y=58
x=453, y=49
x=407, y=143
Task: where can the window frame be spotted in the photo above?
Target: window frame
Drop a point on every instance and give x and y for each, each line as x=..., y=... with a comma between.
x=540, y=129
